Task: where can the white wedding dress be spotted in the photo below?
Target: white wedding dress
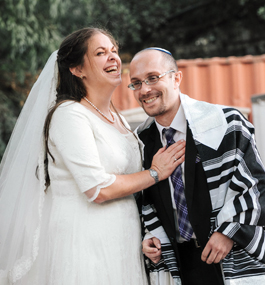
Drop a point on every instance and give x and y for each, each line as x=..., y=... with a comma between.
x=84, y=243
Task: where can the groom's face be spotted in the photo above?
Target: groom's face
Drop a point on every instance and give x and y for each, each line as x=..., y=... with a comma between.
x=158, y=99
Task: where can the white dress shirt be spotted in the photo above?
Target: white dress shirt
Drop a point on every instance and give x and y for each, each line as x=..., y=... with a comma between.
x=180, y=125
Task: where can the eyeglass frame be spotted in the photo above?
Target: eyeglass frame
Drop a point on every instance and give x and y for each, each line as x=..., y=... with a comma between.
x=131, y=85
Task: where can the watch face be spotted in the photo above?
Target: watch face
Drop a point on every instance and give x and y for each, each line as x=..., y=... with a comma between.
x=154, y=174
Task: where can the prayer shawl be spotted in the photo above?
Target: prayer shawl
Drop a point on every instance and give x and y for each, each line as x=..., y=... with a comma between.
x=236, y=179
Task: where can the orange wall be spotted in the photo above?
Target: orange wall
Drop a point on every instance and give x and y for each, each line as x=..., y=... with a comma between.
x=228, y=81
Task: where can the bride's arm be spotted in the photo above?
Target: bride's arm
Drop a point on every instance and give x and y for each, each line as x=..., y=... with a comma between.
x=71, y=132
x=164, y=162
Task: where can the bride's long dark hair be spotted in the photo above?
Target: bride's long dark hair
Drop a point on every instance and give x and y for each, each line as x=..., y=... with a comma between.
x=71, y=54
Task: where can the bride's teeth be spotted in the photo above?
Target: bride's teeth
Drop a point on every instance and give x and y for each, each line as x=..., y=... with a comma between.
x=111, y=69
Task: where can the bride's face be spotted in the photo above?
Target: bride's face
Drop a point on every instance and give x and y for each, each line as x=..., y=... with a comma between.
x=102, y=65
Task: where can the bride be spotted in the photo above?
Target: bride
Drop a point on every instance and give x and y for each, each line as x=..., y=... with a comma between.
x=67, y=213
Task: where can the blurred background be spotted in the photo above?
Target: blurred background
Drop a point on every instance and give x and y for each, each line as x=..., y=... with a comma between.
x=219, y=46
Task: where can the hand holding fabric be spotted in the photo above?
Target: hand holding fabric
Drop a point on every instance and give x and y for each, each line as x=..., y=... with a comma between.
x=152, y=249
x=217, y=248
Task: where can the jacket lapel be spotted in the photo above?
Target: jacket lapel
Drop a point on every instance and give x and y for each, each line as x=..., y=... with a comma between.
x=197, y=193
x=164, y=191
x=190, y=157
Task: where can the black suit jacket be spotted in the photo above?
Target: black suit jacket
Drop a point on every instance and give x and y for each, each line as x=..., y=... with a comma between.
x=196, y=190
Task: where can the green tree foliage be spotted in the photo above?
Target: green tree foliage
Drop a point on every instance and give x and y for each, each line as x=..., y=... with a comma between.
x=31, y=29
x=28, y=34
x=188, y=28
x=28, y=30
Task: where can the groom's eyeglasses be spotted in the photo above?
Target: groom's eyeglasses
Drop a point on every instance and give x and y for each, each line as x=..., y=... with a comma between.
x=152, y=79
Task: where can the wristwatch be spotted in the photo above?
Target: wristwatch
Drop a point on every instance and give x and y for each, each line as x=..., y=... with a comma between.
x=154, y=174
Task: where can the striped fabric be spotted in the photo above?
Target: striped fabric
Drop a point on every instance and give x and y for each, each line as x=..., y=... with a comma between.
x=152, y=223
x=236, y=180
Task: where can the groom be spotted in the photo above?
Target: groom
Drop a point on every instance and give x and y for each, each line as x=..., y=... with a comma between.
x=205, y=223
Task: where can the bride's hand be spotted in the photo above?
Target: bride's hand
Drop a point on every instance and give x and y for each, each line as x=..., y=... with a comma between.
x=166, y=160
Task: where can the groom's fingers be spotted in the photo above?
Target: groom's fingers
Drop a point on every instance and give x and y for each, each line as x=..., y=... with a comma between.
x=156, y=242
x=151, y=249
x=148, y=246
x=155, y=257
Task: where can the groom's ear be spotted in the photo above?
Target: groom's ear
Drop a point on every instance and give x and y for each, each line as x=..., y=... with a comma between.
x=178, y=78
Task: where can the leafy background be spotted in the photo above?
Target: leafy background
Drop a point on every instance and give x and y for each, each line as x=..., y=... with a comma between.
x=31, y=29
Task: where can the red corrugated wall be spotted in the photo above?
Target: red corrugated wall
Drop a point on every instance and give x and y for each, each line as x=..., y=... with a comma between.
x=228, y=81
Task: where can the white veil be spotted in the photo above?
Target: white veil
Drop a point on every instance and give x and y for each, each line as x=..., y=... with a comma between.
x=21, y=192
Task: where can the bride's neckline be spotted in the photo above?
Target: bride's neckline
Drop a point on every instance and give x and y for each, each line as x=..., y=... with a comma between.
x=95, y=115
x=102, y=114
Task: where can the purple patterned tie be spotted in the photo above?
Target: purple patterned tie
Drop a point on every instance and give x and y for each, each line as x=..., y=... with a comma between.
x=185, y=228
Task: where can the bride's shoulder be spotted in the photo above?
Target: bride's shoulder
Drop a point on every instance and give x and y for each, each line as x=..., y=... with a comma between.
x=70, y=110
x=70, y=106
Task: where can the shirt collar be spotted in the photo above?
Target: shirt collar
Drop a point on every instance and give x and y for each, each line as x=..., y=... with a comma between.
x=178, y=123
x=207, y=121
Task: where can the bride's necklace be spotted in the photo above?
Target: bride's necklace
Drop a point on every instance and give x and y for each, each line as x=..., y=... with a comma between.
x=113, y=119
